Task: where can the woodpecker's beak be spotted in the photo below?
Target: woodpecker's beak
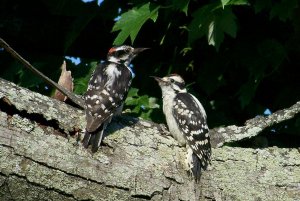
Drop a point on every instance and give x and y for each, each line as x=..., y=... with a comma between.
x=136, y=51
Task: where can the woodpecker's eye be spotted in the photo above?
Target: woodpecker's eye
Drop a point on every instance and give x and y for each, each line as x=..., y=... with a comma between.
x=172, y=80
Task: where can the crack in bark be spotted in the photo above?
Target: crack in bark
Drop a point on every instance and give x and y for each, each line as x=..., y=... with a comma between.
x=172, y=179
x=144, y=197
x=11, y=110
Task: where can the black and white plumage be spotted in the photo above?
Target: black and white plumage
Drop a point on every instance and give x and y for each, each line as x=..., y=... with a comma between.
x=186, y=119
x=107, y=90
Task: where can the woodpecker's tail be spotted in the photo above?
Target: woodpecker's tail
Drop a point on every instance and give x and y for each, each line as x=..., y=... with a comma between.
x=93, y=138
x=86, y=139
x=196, y=167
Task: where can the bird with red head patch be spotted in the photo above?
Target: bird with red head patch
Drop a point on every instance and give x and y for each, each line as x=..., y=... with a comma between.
x=107, y=90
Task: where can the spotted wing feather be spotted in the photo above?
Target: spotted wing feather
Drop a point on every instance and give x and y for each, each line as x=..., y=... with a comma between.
x=191, y=119
x=107, y=89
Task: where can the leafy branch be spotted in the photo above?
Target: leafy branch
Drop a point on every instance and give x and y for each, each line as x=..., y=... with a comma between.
x=132, y=21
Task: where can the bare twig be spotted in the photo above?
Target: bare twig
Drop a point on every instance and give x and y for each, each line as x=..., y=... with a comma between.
x=78, y=101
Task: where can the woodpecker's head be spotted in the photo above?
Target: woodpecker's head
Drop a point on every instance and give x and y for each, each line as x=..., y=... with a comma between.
x=123, y=54
x=171, y=83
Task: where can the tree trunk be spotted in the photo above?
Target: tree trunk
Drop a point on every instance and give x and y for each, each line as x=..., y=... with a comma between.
x=40, y=158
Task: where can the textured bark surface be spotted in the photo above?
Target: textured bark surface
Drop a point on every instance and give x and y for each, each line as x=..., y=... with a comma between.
x=40, y=160
x=252, y=127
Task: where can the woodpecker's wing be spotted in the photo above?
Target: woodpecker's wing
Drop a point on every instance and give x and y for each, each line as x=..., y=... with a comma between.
x=106, y=90
x=191, y=119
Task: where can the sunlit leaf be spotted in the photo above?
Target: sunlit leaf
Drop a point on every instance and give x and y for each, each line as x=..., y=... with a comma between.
x=224, y=2
x=234, y=2
x=140, y=105
x=132, y=21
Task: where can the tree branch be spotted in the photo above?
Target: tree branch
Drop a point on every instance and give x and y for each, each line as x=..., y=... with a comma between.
x=252, y=127
x=138, y=161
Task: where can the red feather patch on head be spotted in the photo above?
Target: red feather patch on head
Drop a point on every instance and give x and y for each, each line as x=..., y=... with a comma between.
x=111, y=50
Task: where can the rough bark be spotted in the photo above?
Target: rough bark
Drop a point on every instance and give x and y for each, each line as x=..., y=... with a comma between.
x=252, y=127
x=40, y=159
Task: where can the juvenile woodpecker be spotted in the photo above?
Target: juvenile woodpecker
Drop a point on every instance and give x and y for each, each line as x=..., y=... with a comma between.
x=186, y=119
x=107, y=90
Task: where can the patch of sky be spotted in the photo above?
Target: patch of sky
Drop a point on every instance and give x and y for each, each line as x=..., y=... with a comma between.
x=74, y=60
x=99, y=2
x=131, y=70
x=119, y=16
x=267, y=112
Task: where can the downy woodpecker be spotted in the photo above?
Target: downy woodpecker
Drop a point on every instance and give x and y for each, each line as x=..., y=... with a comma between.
x=186, y=119
x=107, y=90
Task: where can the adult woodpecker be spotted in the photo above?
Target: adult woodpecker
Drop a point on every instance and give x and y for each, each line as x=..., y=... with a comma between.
x=107, y=90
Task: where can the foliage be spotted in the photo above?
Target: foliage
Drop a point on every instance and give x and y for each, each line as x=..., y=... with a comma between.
x=132, y=21
x=140, y=106
x=239, y=57
x=81, y=82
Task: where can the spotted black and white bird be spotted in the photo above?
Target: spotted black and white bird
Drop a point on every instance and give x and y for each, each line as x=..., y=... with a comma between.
x=107, y=90
x=186, y=119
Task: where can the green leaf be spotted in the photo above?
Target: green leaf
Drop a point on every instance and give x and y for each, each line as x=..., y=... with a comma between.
x=227, y=23
x=141, y=106
x=80, y=84
x=213, y=22
x=133, y=92
x=131, y=101
x=234, y=2
x=181, y=5
x=132, y=21
x=152, y=103
x=28, y=79
x=201, y=19
x=224, y=2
